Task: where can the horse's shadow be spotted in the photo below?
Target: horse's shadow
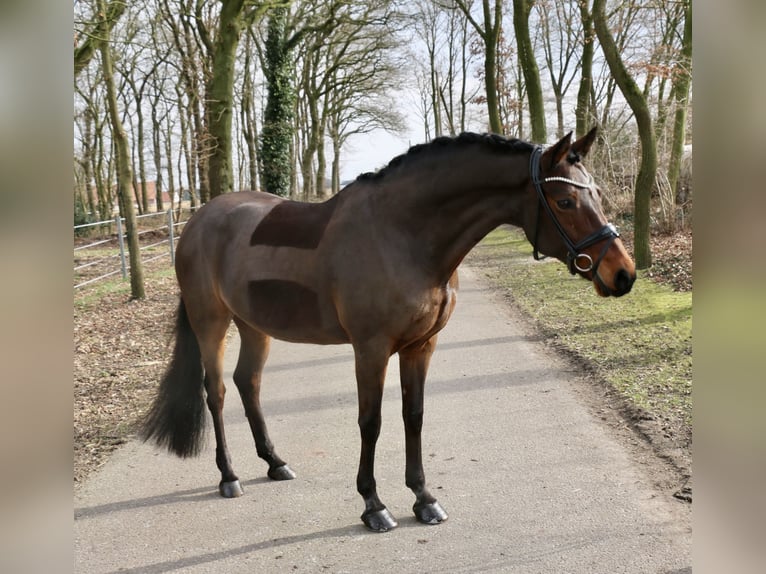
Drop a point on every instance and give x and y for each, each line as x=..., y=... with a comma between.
x=211, y=557
x=189, y=495
x=206, y=493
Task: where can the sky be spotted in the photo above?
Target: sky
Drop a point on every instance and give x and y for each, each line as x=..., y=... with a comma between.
x=369, y=152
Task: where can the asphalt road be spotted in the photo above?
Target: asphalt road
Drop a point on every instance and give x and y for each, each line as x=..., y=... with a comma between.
x=532, y=481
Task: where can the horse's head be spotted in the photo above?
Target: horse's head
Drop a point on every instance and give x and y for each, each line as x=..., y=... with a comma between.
x=569, y=223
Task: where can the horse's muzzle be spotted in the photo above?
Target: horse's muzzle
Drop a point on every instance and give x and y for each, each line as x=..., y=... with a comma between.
x=623, y=283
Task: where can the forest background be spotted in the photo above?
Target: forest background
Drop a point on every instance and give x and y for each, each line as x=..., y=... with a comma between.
x=182, y=100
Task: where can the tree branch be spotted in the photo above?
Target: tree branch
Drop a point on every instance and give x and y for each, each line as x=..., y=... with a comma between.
x=84, y=52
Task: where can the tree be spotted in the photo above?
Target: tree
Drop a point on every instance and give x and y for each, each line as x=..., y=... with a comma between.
x=585, y=112
x=124, y=170
x=193, y=68
x=681, y=87
x=444, y=74
x=234, y=16
x=248, y=114
x=637, y=101
x=92, y=40
x=560, y=36
x=489, y=32
x=528, y=62
x=277, y=130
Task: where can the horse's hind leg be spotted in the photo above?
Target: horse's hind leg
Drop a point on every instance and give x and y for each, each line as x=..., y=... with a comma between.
x=253, y=351
x=413, y=365
x=212, y=336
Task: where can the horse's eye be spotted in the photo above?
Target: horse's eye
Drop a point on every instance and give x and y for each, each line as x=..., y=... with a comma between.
x=565, y=203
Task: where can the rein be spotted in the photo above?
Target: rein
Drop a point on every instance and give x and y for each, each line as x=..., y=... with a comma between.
x=576, y=260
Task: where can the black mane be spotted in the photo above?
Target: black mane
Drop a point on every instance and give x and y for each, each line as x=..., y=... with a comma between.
x=492, y=141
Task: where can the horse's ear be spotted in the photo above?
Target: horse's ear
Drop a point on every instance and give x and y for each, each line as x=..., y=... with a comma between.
x=559, y=150
x=582, y=146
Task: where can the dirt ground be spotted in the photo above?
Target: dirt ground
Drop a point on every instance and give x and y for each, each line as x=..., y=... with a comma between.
x=121, y=347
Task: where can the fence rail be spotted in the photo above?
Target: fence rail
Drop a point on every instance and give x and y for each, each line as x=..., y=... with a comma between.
x=103, y=261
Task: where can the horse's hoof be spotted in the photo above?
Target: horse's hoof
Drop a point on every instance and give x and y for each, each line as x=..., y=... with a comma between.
x=430, y=513
x=379, y=520
x=230, y=489
x=283, y=472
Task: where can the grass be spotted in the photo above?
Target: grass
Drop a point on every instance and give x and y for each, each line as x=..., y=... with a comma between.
x=639, y=344
x=91, y=295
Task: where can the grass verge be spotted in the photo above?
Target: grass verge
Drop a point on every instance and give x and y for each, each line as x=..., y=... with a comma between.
x=639, y=345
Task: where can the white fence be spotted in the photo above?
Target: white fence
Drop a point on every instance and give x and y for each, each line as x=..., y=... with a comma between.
x=102, y=258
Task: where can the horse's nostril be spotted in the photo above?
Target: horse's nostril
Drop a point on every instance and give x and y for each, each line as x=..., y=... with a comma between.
x=623, y=282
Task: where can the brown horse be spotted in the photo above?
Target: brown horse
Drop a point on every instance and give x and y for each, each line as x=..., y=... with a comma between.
x=374, y=266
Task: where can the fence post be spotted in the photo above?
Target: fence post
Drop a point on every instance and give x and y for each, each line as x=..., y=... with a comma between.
x=124, y=266
x=170, y=237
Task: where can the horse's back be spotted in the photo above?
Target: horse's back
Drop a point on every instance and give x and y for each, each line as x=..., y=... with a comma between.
x=201, y=249
x=257, y=257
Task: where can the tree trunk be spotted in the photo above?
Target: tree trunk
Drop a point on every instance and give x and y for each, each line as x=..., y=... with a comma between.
x=490, y=35
x=648, y=169
x=583, y=112
x=105, y=203
x=682, y=82
x=140, y=151
x=435, y=104
x=219, y=94
x=92, y=42
x=521, y=9
x=124, y=171
x=490, y=65
x=319, y=187
x=336, y=145
x=277, y=131
x=157, y=157
x=168, y=159
x=87, y=165
x=249, y=124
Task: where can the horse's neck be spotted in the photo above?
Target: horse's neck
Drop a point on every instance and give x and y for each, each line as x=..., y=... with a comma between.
x=450, y=212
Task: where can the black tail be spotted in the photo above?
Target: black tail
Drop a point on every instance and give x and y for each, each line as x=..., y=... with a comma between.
x=176, y=419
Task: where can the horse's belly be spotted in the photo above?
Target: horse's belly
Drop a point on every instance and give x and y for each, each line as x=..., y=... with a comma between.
x=293, y=312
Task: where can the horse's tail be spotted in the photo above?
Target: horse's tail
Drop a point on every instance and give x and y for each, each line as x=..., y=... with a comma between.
x=176, y=419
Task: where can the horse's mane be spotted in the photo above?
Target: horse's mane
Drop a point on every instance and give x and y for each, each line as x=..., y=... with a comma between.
x=491, y=141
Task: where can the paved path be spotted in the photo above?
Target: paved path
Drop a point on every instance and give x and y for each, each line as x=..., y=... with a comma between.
x=531, y=481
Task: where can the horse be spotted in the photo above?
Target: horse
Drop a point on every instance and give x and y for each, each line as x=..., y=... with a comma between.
x=374, y=266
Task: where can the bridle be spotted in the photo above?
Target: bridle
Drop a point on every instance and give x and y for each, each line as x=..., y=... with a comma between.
x=576, y=260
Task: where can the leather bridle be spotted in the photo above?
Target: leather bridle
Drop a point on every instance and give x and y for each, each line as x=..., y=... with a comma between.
x=576, y=260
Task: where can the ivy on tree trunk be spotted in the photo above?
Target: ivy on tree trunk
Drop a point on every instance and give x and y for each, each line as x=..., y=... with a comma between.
x=277, y=131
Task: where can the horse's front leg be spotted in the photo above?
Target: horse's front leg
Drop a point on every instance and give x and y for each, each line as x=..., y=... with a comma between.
x=413, y=362
x=371, y=364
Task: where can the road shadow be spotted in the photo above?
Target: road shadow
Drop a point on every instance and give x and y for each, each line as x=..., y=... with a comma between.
x=210, y=557
x=189, y=495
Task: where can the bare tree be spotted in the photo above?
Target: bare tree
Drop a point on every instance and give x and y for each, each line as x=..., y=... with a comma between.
x=489, y=31
x=637, y=102
x=88, y=39
x=681, y=88
x=445, y=35
x=528, y=63
x=561, y=34
x=221, y=44
x=585, y=110
x=124, y=170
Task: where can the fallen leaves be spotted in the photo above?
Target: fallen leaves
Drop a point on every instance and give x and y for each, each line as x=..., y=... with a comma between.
x=120, y=351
